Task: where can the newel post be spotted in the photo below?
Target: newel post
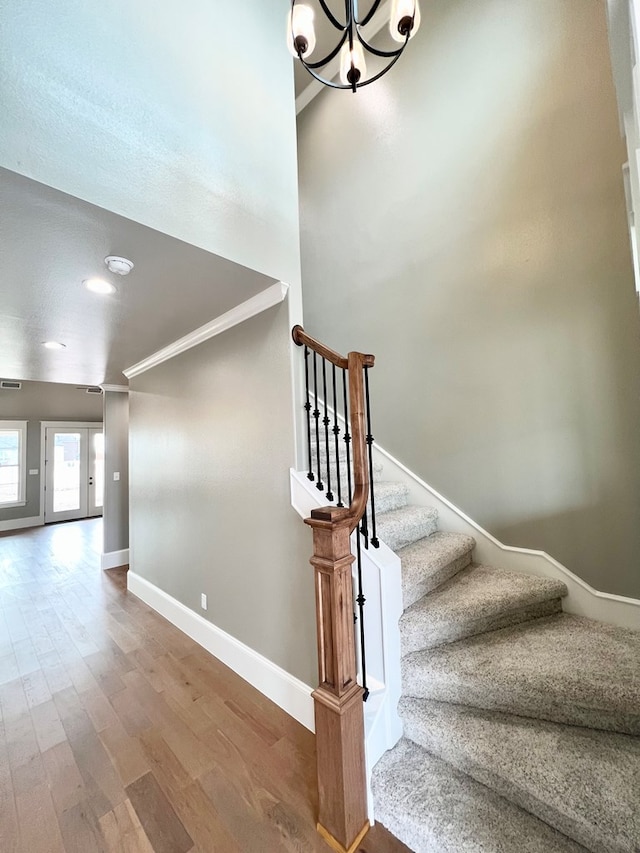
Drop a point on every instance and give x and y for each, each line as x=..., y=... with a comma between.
x=339, y=716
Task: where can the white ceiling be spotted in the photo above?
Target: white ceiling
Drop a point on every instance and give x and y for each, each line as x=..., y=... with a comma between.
x=50, y=242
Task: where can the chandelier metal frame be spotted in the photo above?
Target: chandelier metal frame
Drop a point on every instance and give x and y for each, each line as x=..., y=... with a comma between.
x=351, y=32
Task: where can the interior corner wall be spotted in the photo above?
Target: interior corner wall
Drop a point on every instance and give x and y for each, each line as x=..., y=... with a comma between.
x=116, y=460
x=211, y=441
x=179, y=116
x=464, y=219
x=36, y=402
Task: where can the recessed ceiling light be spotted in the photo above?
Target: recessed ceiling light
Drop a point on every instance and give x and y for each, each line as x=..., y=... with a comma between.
x=53, y=345
x=99, y=285
x=118, y=265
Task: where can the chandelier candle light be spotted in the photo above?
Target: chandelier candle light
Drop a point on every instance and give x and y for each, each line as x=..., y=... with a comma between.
x=351, y=45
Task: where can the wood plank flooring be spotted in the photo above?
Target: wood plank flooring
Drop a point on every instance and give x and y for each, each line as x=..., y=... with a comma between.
x=119, y=733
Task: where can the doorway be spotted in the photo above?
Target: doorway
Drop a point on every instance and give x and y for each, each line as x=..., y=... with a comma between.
x=74, y=472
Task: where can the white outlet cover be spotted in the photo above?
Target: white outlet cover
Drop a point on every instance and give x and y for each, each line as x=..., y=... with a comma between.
x=116, y=475
x=203, y=600
x=33, y=472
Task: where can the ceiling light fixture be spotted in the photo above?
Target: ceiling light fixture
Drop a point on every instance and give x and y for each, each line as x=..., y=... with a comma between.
x=351, y=45
x=53, y=345
x=99, y=285
x=118, y=265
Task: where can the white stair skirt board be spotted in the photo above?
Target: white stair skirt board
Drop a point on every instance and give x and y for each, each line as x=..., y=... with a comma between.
x=21, y=523
x=582, y=600
x=114, y=559
x=382, y=587
x=287, y=691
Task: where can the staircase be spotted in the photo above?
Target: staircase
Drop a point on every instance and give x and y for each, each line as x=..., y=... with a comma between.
x=521, y=722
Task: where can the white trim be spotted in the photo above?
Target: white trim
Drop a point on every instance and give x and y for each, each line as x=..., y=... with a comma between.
x=19, y=523
x=288, y=692
x=380, y=20
x=43, y=449
x=123, y=389
x=19, y=426
x=583, y=599
x=260, y=302
x=114, y=559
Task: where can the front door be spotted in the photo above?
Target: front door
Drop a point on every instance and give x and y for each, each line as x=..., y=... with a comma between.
x=74, y=463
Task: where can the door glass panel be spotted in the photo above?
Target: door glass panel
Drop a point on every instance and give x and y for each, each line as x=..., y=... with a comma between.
x=98, y=468
x=66, y=472
x=9, y=465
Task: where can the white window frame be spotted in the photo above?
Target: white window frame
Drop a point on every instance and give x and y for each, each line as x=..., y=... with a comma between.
x=21, y=427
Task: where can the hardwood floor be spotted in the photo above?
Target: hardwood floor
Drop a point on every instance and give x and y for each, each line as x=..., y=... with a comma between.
x=119, y=733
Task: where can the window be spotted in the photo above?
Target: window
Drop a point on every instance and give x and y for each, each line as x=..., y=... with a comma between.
x=13, y=463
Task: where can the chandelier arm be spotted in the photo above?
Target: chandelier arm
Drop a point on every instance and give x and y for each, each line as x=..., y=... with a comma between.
x=384, y=53
x=369, y=15
x=327, y=58
x=336, y=23
x=380, y=73
x=326, y=82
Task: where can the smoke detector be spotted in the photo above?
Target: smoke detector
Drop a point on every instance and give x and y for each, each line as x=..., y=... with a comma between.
x=117, y=265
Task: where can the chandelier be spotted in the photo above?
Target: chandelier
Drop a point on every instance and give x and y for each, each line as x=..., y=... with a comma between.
x=351, y=45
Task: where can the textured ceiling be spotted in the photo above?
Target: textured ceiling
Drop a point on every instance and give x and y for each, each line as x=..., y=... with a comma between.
x=50, y=242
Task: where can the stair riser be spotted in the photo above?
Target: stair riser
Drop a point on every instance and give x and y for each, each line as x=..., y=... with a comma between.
x=410, y=533
x=423, y=685
x=414, y=593
x=386, y=503
x=414, y=637
x=430, y=734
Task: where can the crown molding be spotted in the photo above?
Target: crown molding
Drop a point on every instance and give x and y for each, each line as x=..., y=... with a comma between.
x=260, y=302
x=123, y=389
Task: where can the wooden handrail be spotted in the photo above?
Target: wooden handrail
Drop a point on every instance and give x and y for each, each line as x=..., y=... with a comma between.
x=301, y=338
x=342, y=796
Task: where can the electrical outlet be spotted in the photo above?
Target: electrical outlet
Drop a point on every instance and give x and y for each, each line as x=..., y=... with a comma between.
x=33, y=472
x=203, y=600
x=116, y=475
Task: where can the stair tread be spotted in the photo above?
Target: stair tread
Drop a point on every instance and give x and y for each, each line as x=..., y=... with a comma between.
x=390, y=495
x=432, y=561
x=431, y=806
x=584, y=782
x=474, y=600
x=564, y=668
x=400, y=527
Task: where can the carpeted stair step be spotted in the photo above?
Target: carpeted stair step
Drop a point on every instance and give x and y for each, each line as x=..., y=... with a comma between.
x=583, y=782
x=390, y=495
x=433, y=808
x=477, y=599
x=430, y=562
x=562, y=668
x=400, y=527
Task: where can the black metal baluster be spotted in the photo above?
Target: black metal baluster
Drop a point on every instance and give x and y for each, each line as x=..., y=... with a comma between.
x=360, y=601
x=316, y=415
x=347, y=434
x=336, y=433
x=307, y=407
x=374, y=539
x=326, y=421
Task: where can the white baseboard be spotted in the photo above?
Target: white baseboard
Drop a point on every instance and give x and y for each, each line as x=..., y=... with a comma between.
x=114, y=559
x=20, y=523
x=288, y=692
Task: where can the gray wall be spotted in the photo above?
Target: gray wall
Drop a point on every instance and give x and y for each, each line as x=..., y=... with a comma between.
x=179, y=112
x=464, y=220
x=116, y=458
x=211, y=443
x=43, y=401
